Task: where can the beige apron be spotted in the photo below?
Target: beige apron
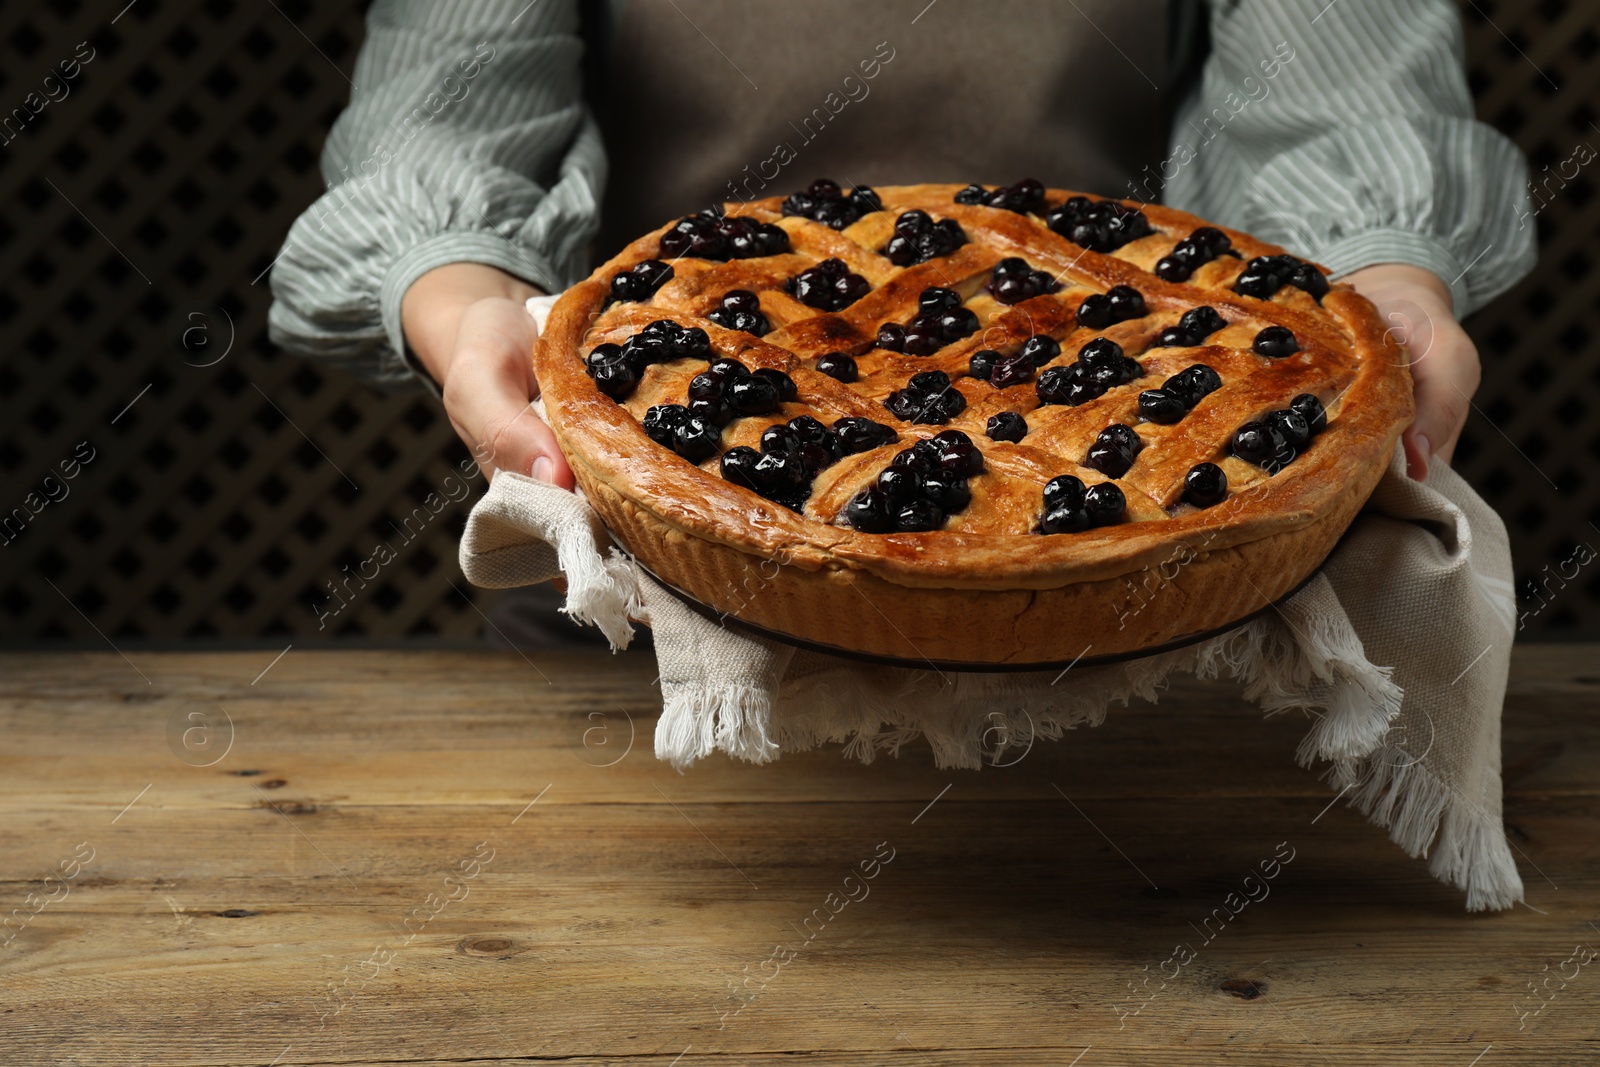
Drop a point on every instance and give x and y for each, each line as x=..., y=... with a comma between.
x=712, y=100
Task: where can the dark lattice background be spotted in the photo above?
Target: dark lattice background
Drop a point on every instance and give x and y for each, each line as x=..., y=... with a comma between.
x=137, y=217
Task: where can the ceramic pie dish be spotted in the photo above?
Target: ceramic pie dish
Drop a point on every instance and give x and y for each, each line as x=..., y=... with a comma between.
x=976, y=426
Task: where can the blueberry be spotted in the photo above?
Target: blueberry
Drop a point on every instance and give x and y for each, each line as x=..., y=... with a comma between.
x=705, y=386
x=983, y=363
x=779, y=438
x=615, y=380
x=927, y=382
x=810, y=430
x=1013, y=281
x=958, y=456
x=814, y=457
x=1101, y=350
x=868, y=512
x=839, y=367
x=1006, y=426
x=738, y=466
x=1265, y=275
x=825, y=202
x=857, y=434
x=711, y=234
x=727, y=368
x=923, y=338
x=917, y=238
x=1173, y=269
x=1121, y=371
x=903, y=404
x=1201, y=322
x=1310, y=409
x=1064, y=520
x=741, y=310
x=753, y=395
x=916, y=459
x=661, y=422
x=1067, y=385
x=696, y=439
x=938, y=407
x=1063, y=491
x=1206, y=484
x=1011, y=370
x=828, y=286
x=972, y=194
x=899, y=485
x=1193, y=384
x=1104, y=504
x=1262, y=444
x=778, y=473
x=640, y=281
x=892, y=336
x=1292, y=425
x=919, y=516
x=947, y=492
x=1158, y=405
x=602, y=355
x=934, y=298
x=1126, y=303
x=780, y=380
x=715, y=410
x=1275, y=342
x=1113, y=450
x=956, y=323
x=1095, y=312
x=1098, y=225
x=1173, y=337
x=1041, y=348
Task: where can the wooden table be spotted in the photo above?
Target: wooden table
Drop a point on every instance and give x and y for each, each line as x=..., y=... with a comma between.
x=431, y=858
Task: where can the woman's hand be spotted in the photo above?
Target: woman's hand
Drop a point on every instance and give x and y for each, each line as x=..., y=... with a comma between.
x=467, y=324
x=1415, y=304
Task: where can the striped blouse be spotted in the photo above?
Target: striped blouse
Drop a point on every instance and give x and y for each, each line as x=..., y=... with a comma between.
x=1343, y=131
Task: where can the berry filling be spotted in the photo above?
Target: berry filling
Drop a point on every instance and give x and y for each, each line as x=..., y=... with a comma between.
x=1193, y=328
x=1098, y=225
x=839, y=367
x=1006, y=426
x=1113, y=450
x=1193, y=252
x=922, y=486
x=1265, y=275
x=1100, y=365
x=917, y=239
x=1205, y=485
x=1025, y=196
x=1178, y=394
x=640, y=281
x=616, y=369
x=741, y=310
x=825, y=202
x=1275, y=342
x=1273, y=441
x=927, y=398
x=1013, y=281
x=791, y=454
x=940, y=320
x=828, y=286
x=711, y=234
x=1117, y=304
x=1069, y=507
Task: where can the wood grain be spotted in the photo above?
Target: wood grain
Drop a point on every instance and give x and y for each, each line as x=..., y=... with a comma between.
x=619, y=912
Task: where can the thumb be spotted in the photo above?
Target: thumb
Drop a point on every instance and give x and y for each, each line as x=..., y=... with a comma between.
x=489, y=391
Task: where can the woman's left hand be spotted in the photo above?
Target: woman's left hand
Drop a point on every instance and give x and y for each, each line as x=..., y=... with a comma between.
x=1415, y=305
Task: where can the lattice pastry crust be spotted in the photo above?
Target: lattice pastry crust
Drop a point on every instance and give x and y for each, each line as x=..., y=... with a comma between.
x=985, y=586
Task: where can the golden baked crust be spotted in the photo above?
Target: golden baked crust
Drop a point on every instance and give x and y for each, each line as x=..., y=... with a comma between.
x=986, y=588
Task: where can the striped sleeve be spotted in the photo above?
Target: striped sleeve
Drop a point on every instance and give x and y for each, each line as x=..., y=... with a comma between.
x=466, y=140
x=1345, y=131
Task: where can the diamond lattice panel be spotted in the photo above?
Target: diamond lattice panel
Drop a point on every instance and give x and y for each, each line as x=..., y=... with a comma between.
x=139, y=211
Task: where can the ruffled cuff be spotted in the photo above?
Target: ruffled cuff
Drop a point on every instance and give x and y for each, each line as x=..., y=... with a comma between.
x=1399, y=246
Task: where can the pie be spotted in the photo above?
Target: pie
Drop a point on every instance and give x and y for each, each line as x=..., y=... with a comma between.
x=973, y=427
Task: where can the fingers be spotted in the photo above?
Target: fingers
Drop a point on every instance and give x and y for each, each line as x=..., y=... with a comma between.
x=489, y=389
x=1445, y=379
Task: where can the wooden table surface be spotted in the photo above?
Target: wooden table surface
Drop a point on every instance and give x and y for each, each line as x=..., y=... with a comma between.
x=431, y=858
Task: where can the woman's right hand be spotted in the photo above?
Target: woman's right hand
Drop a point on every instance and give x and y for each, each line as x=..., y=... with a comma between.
x=467, y=324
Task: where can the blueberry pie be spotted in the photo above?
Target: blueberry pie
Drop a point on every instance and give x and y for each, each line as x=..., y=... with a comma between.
x=974, y=426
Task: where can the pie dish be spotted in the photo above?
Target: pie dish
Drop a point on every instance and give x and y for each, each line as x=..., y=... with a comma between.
x=968, y=426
